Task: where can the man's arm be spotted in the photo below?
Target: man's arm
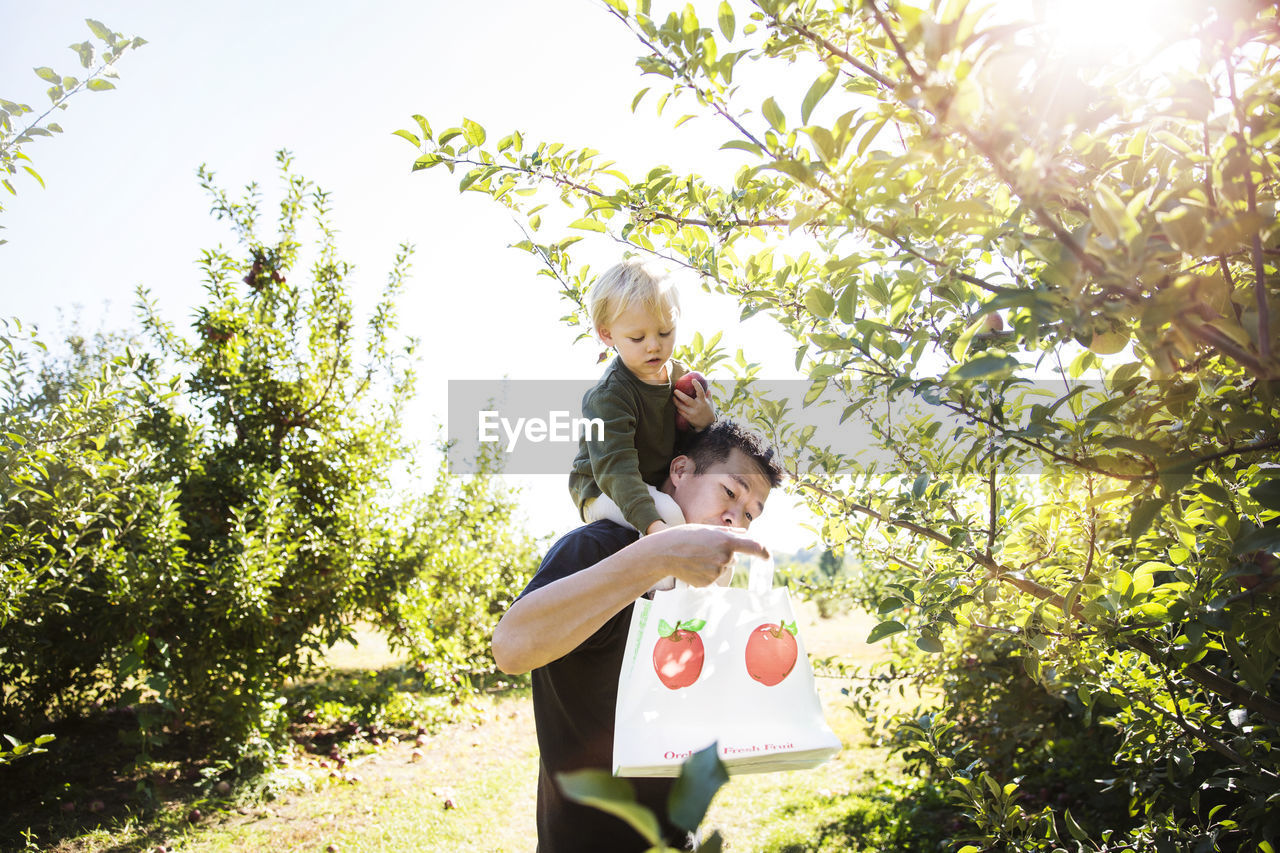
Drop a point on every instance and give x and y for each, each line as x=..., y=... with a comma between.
x=553, y=620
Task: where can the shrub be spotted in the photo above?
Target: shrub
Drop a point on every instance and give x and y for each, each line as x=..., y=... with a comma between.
x=189, y=522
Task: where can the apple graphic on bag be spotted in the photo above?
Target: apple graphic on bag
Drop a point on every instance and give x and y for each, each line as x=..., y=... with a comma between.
x=685, y=386
x=678, y=654
x=772, y=652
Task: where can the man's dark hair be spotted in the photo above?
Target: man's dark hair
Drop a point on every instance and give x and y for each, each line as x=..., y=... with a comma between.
x=716, y=442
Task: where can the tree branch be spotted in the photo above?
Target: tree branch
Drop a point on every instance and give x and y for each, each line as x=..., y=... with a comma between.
x=897, y=45
x=1203, y=736
x=884, y=82
x=1207, y=679
x=1218, y=340
x=1251, y=194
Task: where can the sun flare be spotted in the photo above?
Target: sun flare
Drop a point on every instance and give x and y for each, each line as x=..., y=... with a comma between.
x=1151, y=32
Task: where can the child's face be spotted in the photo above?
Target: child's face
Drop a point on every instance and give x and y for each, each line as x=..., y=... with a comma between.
x=643, y=342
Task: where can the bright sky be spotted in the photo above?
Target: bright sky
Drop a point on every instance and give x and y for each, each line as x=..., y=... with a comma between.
x=227, y=84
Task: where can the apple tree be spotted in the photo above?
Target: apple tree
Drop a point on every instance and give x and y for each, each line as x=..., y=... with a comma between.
x=1044, y=283
x=191, y=517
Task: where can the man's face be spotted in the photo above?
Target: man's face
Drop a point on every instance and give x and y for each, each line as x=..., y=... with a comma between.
x=730, y=493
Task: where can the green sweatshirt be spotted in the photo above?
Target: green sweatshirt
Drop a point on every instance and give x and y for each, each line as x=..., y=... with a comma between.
x=639, y=441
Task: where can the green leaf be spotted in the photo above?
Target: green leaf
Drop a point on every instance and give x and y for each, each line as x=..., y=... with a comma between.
x=1142, y=517
x=743, y=145
x=819, y=88
x=423, y=124
x=885, y=629
x=932, y=645
x=692, y=625
x=726, y=19
x=1074, y=828
x=665, y=628
x=85, y=51
x=985, y=366
x=1267, y=494
x=776, y=119
x=99, y=85
x=890, y=604
x=819, y=302
x=588, y=225
x=100, y=30
x=1110, y=215
x=794, y=168
x=48, y=74
x=472, y=132
x=1263, y=539
x=966, y=337
x=700, y=777
x=847, y=305
x=601, y=790
x=404, y=134
x=918, y=487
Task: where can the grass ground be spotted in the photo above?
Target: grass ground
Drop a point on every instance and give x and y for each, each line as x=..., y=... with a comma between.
x=471, y=787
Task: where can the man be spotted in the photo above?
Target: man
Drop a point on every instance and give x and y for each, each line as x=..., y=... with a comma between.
x=569, y=626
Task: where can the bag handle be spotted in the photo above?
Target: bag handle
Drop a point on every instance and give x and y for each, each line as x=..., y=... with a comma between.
x=759, y=572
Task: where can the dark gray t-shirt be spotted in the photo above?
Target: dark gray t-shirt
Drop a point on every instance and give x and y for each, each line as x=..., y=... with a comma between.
x=573, y=706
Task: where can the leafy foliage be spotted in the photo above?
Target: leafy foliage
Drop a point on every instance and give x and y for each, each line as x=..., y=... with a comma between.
x=701, y=776
x=188, y=522
x=13, y=137
x=466, y=556
x=1044, y=284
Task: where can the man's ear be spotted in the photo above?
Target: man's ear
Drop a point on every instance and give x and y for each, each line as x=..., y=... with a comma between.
x=681, y=469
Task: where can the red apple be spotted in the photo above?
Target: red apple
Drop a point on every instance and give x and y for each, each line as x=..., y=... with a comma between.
x=678, y=654
x=772, y=652
x=685, y=386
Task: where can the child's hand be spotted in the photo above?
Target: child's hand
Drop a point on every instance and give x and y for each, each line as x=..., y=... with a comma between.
x=697, y=410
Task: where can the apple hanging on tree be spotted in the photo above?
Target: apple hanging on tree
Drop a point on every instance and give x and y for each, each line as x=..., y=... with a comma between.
x=678, y=654
x=772, y=652
x=685, y=385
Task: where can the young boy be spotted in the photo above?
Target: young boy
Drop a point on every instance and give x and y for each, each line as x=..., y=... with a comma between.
x=634, y=311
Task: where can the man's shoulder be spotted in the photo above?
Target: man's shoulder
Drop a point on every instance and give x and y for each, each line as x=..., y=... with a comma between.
x=579, y=549
x=599, y=539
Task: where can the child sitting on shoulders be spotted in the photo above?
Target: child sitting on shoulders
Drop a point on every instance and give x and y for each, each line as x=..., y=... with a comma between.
x=634, y=311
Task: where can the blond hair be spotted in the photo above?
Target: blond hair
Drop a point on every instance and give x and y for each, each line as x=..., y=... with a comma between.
x=628, y=284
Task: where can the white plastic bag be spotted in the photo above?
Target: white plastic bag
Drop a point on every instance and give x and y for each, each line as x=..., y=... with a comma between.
x=718, y=665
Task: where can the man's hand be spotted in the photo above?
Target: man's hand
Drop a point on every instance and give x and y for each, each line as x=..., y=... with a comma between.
x=552, y=621
x=697, y=410
x=700, y=554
